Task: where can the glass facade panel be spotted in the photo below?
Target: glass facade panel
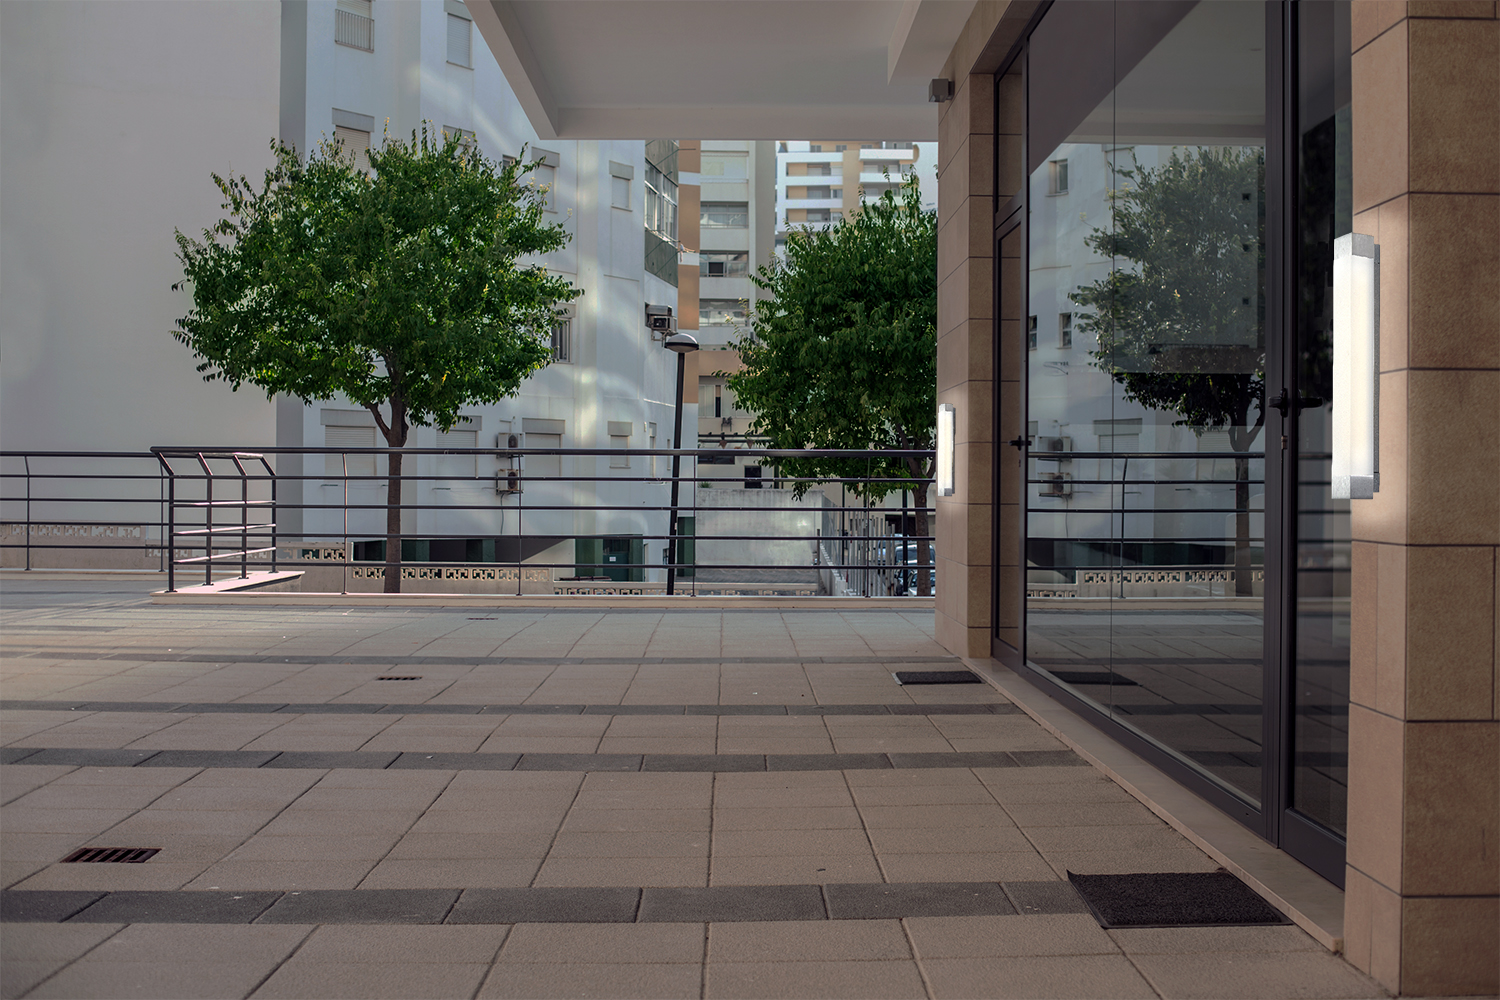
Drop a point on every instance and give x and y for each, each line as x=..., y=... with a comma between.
x=1320, y=730
x=1145, y=495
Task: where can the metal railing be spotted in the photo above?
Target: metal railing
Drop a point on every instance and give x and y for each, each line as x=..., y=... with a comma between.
x=485, y=517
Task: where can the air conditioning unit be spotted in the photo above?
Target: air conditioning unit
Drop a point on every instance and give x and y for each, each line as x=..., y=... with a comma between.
x=1054, y=444
x=508, y=479
x=660, y=321
x=716, y=269
x=1056, y=484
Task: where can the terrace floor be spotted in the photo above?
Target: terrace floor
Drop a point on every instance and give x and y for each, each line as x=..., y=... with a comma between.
x=375, y=802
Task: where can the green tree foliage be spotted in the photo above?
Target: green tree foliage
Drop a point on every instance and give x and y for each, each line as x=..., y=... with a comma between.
x=843, y=353
x=1180, y=318
x=403, y=287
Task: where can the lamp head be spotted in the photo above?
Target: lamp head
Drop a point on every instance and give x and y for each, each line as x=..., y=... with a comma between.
x=681, y=343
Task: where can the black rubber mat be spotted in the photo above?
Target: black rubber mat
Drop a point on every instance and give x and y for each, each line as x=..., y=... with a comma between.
x=1092, y=677
x=935, y=677
x=1174, y=899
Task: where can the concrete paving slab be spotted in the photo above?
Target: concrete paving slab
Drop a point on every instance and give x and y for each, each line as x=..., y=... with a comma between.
x=44, y=906
x=361, y=906
x=732, y=903
x=177, y=908
x=592, y=905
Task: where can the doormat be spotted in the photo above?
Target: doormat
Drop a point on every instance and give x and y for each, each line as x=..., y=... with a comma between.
x=1092, y=677
x=1174, y=899
x=935, y=677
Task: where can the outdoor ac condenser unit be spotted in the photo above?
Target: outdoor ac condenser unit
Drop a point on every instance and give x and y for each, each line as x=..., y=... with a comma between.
x=508, y=479
x=1056, y=484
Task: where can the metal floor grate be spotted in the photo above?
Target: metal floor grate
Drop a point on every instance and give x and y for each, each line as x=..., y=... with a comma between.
x=111, y=855
x=398, y=678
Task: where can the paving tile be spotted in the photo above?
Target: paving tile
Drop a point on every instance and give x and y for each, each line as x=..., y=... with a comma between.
x=1083, y=977
x=579, y=762
x=998, y=867
x=807, y=941
x=150, y=875
x=613, y=943
x=493, y=844
x=14, y=755
x=895, y=980
x=1044, y=896
x=82, y=757
x=1233, y=975
x=623, y=872
x=334, y=758
x=630, y=844
x=1127, y=861
x=456, y=761
x=910, y=778
x=243, y=876
x=29, y=954
x=936, y=760
x=1008, y=936
x=934, y=899
x=177, y=908
x=792, y=818
x=369, y=980
x=813, y=869
x=935, y=816
x=704, y=762
x=581, y=819
x=921, y=795
x=732, y=903
x=546, y=905
x=773, y=843
x=361, y=906
x=452, y=873
x=826, y=761
x=949, y=840
x=314, y=848
x=536, y=981
x=1209, y=940
x=47, y=907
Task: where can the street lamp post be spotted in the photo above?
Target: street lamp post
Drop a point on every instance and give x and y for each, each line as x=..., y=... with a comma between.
x=681, y=344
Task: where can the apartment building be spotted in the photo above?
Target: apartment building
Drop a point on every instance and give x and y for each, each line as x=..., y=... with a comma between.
x=821, y=182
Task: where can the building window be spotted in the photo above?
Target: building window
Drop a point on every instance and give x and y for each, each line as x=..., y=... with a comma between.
x=335, y=436
x=1057, y=177
x=814, y=148
x=819, y=192
x=819, y=215
x=1031, y=333
x=457, y=466
x=820, y=169
x=724, y=215
x=562, y=340
x=460, y=35
x=661, y=203
x=838, y=193
x=353, y=25
x=721, y=312
x=619, y=193
x=723, y=264
x=725, y=165
x=544, y=177
x=840, y=147
x=466, y=137
x=1064, y=330
x=355, y=142
x=619, y=438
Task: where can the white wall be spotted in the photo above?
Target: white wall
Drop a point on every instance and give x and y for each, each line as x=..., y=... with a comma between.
x=112, y=116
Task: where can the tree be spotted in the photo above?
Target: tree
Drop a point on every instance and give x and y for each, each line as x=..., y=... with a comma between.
x=1183, y=329
x=402, y=287
x=843, y=352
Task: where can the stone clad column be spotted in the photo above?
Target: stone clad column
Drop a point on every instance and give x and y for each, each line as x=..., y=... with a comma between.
x=965, y=362
x=1422, y=904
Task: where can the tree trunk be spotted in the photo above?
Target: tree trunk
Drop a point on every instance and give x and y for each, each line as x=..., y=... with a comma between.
x=1243, y=584
x=393, y=524
x=919, y=506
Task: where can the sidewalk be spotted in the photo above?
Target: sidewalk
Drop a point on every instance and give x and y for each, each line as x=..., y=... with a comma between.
x=560, y=803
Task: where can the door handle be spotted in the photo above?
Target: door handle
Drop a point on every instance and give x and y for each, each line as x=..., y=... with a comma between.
x=1020, y=442
x=1283, y=402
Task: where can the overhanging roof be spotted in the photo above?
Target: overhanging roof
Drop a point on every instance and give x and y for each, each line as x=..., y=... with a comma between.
x=723, y=69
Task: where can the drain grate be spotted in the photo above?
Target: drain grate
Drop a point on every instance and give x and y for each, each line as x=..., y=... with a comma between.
x=398, y=678
x=111, y=855
x=483, y=619
x=935, y=677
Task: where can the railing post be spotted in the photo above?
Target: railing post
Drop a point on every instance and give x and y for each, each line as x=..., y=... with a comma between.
x=27, y=460
x=345, y=551
x=244, y=518
x=171, y=539
x=208, y=522
x=272, y=473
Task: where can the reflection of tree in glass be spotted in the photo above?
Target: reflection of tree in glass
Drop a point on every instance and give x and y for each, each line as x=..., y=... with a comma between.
x=1179, y=318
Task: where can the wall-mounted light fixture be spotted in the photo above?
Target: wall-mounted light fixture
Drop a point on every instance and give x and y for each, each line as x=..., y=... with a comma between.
x=1356, y=367
x=939, y=91
x=946, y=424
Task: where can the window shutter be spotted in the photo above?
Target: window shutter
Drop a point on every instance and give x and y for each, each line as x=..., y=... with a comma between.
x=356, y=144
x=348, y=437
x=459, y=38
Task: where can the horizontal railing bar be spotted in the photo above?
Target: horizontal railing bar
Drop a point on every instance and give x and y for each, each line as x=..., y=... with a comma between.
x=223, y=503
x=224, y=555
x=868, y=453
x=253, y=528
